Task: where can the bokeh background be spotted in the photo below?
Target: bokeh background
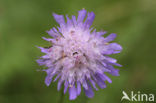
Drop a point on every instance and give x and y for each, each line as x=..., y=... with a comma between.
x=24, y=22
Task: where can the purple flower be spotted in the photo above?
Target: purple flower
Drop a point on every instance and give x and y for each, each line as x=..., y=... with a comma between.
x=79, y=55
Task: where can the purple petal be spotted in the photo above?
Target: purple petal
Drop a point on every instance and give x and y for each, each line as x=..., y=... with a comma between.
x=65, y=86
x=40, y=61
x=110, y=60
x=112, y=48
x=48, y=80
x=94, y=32
x=104, y=63
x=90, y=19
x=78, y=88
x=101, y=33
x=52, y=33
x=81, y=15
x=93, y=84
x=59, y=84
x=85, y=84
x=59, y=30
x=57, y=77
x=89, y=92
x=117, y=64
x=55, y=30
x=115, y=46
x=114, y=72
x=100, y=82
x=72, y=93
x=110, y=37
x=49, y=76
x=69, y=22
x=74, y=20
x=107, y=78
x=104, y=77
x=43, y=50
x=47, y=39
x=59, y=18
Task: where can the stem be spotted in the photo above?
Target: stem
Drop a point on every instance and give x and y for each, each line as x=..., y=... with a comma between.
x=61, y=97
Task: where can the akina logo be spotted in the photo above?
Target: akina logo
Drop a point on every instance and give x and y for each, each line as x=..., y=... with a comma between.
x=138, y=96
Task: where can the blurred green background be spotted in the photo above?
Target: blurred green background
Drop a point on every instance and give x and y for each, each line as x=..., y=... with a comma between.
x=24, y=22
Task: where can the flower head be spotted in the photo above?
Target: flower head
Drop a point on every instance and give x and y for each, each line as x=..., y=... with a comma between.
x=79, y=55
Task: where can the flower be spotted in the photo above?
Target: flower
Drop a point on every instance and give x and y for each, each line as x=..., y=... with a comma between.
x=79, y=55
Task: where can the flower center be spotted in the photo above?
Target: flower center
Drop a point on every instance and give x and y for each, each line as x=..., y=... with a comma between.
x=75, y=53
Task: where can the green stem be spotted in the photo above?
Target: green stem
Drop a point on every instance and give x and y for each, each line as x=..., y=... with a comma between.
x=61, y=97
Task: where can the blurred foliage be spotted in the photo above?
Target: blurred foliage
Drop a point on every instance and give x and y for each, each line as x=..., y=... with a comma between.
x=24, y=22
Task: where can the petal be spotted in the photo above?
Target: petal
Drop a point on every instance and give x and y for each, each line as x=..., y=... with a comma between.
x=44, y=61
x=52, y=33
x=104, y=77
x=115, y=46
x=93, y=84
x=59, y=84
x=57, y=77
x=48, y=80
x=72, y=93
x=81, y=15
x=110, y=37
x=104, y=63
x=110, y=60
x=90, y=19
x=49, y=76
x=65, y=86
x=74, y=20
x=69, y=22
x=89, y=92
x=113, y=71
x=59, y=30
x=112, y=48
x=55, y=30
x=41, y=61
x=85, y=84
x=117, y=64
x=78, y=88
x=94, y=32
x=59, y=18
x=100, y=82
x=43, y=50
x=47, y=39
x=101, y=33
